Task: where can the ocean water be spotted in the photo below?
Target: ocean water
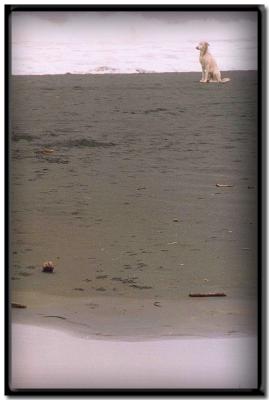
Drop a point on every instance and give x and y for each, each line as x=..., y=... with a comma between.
x=60, y=57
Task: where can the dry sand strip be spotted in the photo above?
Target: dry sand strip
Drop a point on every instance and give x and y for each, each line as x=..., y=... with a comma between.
x=45, y=358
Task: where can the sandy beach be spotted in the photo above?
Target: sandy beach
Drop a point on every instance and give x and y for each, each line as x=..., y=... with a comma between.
x=141, y=189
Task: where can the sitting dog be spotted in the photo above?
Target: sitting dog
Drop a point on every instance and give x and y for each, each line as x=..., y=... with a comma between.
x=210, y=69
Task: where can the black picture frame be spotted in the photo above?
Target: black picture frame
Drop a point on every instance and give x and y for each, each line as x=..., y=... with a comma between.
x=261, y=140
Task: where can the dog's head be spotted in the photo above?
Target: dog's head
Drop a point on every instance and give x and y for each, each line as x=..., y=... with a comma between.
x=202, y=46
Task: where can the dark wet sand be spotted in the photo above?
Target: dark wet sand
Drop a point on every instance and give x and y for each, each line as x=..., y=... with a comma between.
x=127, y=205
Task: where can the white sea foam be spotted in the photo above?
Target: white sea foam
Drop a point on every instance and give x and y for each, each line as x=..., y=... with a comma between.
x=128, y=43
x=45, y=358
x=60, y=58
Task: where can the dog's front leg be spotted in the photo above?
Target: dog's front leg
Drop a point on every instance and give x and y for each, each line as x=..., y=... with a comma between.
x=203, y=75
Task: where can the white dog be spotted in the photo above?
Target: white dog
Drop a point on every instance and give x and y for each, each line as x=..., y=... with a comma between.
x=210, y=70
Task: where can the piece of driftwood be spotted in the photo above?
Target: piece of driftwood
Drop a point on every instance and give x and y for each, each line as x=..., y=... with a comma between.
x=53, y=316
x=223, y=185
x=17, y=305
x=212, y=294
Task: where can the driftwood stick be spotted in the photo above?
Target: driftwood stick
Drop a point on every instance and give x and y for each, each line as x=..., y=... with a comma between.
x=53, y=316
x=213, y=294
x=17, y=305
x=223, y=185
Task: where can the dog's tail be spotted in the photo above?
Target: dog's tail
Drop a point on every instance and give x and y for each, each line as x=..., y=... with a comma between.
x=224, y=80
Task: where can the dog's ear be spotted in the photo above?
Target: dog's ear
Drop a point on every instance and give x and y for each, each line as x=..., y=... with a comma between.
x=206, y=44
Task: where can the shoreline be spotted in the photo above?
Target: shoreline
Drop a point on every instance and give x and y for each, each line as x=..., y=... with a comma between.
x=132, y=73
x=47, y=358
x=115, y=317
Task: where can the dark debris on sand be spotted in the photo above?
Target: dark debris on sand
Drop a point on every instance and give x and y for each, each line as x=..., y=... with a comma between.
x=85, y=143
